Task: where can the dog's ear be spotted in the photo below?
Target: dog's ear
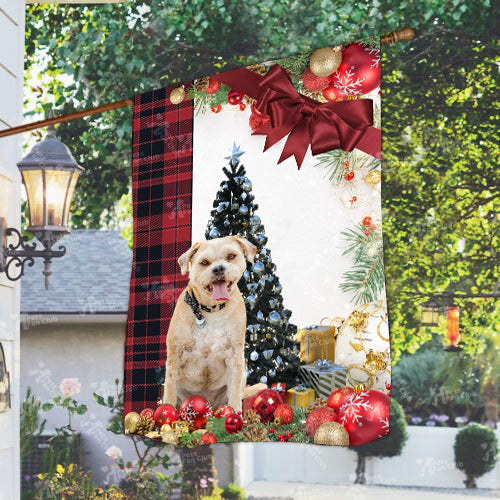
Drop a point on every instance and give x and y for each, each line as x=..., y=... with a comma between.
x=186, y=257
x=249, y=249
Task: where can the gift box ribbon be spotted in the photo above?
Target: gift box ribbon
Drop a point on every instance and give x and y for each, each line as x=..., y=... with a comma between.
x=323, y=365
x=323, y=126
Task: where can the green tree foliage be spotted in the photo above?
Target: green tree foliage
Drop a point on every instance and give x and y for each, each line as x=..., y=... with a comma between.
x=476, y=452
x=438, y=107
x=440, y=183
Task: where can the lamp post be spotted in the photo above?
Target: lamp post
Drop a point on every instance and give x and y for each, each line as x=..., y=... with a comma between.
x=429, y=315
x=50, y=173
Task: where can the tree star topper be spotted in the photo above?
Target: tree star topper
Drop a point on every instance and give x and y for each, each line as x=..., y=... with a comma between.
x=234, y=154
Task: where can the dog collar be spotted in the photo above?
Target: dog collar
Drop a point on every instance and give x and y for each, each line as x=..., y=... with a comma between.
x=195, y=306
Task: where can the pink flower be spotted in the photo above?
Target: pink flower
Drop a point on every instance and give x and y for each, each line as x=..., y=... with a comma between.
x=203, y=483
x=70, y=386
x=114, y=452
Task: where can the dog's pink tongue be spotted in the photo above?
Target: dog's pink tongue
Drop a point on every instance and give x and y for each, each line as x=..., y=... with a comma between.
x=220, y=291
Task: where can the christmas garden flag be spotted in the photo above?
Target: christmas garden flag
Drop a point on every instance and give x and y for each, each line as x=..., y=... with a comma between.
x=257, y=297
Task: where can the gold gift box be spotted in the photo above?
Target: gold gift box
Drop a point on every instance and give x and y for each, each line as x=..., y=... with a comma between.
x=299, y=396
x=317, y=342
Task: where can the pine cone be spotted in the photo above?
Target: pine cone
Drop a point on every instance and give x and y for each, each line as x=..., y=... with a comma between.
x=255, y=432
x=195, y=442
x=201, y=84
x=144, y=425
x=251, y=417
x=317, y=403
x=257, y=68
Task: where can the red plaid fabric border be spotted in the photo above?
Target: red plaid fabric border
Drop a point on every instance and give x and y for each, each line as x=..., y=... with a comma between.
x=162, y=172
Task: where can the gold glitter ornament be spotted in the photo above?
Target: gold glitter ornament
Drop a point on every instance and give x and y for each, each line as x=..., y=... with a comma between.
x=373, y=177
x=332, y=434
x=170, y=437
x=131, y=420
x=358, y=320
x=180, y=427
x=165, y=428
x=375, y=362
x=177, y=95
x=325, y=61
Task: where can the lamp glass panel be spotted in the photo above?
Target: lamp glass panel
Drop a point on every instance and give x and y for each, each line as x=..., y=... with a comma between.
x=71, y=191
x=55, y=194
x=34, y=190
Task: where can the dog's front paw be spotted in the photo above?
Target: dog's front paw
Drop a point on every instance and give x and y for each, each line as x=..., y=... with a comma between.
x=236, y=406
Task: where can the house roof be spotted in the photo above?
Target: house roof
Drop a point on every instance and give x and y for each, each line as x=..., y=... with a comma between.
x=92, y=278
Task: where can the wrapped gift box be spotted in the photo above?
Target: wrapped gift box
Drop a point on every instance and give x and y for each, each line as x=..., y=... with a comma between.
x=317, y=342
x=323, y=376
x=299, y=396
x=279, y=387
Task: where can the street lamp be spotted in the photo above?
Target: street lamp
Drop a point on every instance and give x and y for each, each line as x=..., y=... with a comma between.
x=429, y=314
x=50, y=173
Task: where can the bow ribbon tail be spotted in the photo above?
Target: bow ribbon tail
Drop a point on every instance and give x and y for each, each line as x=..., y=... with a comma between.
x=297, y=142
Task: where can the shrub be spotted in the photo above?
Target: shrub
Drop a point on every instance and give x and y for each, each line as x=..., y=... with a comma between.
x=476, y=452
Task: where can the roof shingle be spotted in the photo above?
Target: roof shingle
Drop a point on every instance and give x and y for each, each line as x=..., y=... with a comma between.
x=92, y=278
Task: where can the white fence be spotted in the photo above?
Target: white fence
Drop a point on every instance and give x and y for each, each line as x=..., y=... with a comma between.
x=427, y=460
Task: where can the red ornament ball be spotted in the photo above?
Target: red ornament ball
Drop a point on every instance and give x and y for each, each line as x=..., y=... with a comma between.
x=257, y=121
x=313, y=82
x=234, y=97
x=243, y=106
x=216, y=109
x=367, y=221
x=233, y=423
x=317, y=417
x=338, y=397
x=349, y=176
x=222, y=411
x=388, y=387
x=213, y=86
x=359, y=72
x=255, y=111
x=165, y=414
x=332, y=93
x=195, y=410
x=265, y=403
x=208, y=438
x=285, y=413
x=148, y=413
x=365, y=416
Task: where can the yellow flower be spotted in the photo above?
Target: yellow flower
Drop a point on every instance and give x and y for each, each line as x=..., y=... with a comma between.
x=60, y=469
x=40, y=476
x=70, y=468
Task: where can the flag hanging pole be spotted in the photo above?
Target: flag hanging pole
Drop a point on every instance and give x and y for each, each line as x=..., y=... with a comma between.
x=393, y=37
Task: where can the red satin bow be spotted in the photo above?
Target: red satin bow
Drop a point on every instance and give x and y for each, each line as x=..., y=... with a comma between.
x=324, y=126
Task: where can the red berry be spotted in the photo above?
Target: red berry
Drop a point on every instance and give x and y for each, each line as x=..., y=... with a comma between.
x=373, y=226
x=354, y=198
x=243, y=106
x=389, y=393
x=388, y=387
x=349, y=176
x=216, y=109
x=367, y=221
x=367, y=232
x=288, y=435
x=346, y=163
x=271, y=429
x=281, y=436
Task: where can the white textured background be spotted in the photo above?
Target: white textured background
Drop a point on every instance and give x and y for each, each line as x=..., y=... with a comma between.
x=302, y=213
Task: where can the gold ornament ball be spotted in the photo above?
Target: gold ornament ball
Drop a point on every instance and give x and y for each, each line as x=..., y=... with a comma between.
x=170, y=437
x=332, y=434
x=131, y=419
x=199, y=432
x=177, y=95
x=373, y=178
x=325, y=61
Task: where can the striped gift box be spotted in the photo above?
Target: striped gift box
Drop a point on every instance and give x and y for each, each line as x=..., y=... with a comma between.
x=323, y=376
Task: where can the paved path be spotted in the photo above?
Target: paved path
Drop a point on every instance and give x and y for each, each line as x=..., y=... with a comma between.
x=259, y=490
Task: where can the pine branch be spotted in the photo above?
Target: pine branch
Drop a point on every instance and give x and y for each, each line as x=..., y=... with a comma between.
x=371, y=41
x=204, y=102
x=295, y=65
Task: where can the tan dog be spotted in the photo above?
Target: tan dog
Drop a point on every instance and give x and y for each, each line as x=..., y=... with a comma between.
x=208, y=359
